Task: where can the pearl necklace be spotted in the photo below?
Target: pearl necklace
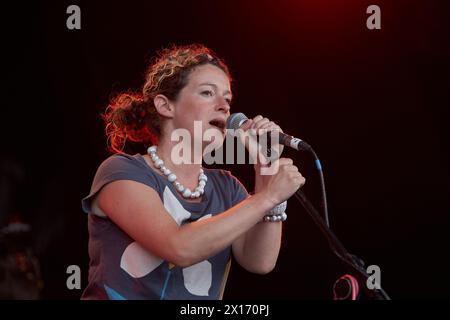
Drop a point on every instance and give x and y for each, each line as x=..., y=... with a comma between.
x=186, y=192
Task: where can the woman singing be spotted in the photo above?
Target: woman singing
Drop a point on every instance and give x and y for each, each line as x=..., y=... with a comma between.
x=162, y=230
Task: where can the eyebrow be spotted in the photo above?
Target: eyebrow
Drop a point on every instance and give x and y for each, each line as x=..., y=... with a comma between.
x=215, y=86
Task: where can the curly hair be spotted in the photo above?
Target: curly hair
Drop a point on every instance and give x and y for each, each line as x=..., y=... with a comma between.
x=132, y=116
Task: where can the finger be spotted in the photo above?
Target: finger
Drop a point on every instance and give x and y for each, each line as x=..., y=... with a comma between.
x=256, y=119
x=247, y=124
x=294, y=176
x=259, y=123
x=263, y=126
x=292, y=168
x=270, y=125
x=286, y=161
x=301, y=181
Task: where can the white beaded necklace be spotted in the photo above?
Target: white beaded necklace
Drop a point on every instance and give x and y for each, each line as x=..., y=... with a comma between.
x=186, y=192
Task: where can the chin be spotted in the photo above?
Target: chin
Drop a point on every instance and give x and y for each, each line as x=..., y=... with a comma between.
x=216, y=143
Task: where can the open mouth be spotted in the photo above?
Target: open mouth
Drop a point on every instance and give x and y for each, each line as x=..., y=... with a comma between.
x=218, y=123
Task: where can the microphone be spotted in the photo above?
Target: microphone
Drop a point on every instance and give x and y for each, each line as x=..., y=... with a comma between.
x=236, y=120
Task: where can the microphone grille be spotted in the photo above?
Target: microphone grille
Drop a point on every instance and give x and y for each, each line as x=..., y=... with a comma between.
x=236, y=120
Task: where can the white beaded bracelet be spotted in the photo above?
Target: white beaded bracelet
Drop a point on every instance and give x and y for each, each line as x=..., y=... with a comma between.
x=279, y=209
x=275, y=217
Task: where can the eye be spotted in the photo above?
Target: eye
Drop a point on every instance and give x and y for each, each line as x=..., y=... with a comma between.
x=228, y=101
x=208, y=93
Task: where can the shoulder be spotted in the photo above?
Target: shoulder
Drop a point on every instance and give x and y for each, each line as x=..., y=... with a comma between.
x=121, y=167
x=120, y=160
x=125, y=167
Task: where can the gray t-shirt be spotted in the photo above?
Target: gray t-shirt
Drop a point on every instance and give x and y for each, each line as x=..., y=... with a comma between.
x=120, y=268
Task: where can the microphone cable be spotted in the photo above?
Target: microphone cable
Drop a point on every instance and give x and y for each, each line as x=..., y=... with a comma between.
x=323, y=202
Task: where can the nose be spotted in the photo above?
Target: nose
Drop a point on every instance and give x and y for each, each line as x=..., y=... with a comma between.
x=223, y=106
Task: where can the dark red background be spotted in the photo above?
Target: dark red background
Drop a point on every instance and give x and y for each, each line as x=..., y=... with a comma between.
x=374, y=104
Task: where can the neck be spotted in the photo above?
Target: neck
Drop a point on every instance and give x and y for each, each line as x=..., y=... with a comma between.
x=184, y=171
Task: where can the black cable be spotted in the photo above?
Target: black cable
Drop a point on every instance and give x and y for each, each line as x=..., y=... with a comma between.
x=324, y=202
x=304, y=146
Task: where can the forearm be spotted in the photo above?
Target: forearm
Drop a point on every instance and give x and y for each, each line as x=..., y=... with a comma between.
x=199, y=240
x=262, y=246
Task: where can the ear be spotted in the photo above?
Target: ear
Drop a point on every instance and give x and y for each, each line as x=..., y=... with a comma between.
x=163, y=106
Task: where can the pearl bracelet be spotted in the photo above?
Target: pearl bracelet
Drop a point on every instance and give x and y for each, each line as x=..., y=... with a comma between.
x=275, y=217
x=279, y=209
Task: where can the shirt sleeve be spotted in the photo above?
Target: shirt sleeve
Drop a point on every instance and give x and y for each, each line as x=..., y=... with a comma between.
x=117, y=167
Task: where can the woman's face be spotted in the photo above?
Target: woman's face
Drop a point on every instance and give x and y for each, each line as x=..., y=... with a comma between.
x=206, y=98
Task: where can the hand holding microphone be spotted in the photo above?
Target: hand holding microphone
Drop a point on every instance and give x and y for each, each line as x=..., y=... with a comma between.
x=282, y=185
x=262, y=125
x=286, y=180
x=238, y=121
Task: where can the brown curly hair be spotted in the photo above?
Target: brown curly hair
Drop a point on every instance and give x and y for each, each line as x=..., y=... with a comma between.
x=132, y=116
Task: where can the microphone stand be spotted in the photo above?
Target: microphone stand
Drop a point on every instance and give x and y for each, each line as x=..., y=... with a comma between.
x=339, y=250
